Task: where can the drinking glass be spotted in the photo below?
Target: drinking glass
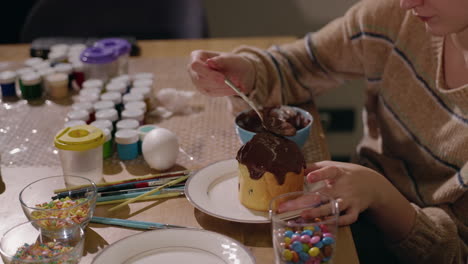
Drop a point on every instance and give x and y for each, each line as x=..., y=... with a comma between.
x=304, y=227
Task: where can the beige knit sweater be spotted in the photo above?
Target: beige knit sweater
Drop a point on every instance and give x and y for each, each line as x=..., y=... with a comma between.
x=421, y=126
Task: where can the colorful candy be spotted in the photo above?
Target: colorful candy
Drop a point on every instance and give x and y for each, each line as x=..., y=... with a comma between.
x=41, y=252
x=78, y=209
x=307, y=245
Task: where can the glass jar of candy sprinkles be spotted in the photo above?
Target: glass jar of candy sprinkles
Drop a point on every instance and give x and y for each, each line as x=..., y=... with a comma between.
x=41, y=241
x=301, y=232
x=63, y=196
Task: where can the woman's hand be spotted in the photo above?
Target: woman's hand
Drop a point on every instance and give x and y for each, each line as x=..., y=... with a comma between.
x=209, y=69
x=356, y=188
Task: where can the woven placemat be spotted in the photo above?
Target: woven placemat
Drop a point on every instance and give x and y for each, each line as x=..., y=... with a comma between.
x=206, y=134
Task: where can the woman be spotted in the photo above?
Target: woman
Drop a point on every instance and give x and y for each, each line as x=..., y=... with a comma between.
x=412, y=185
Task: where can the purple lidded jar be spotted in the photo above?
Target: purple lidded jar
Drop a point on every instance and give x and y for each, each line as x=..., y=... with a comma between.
x=100, y=63
x=122, y=47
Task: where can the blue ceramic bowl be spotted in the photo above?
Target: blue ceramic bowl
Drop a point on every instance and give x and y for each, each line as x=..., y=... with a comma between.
x=301, y=135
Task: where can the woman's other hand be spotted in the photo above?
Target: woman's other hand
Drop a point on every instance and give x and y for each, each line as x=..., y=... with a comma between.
x=358, y=188
x=208, y=70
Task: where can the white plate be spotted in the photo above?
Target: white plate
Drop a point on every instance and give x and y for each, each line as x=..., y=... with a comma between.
x=175, y=246
x=214, y=190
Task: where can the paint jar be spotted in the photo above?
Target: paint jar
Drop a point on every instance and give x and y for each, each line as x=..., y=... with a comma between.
x=76, y=48
x=91, y=98
x=57, y=85
x=80, y=151
x=88, y=107
x=24, y=71
x=33, y=61
x=146, y=93
x=44, y=72
x=143, y=75
x=108, y=114
x=59, y=47
x=145, y=129
x=127, y=124
x=56, y=57
x=108, y=146
x=100, y=63
x=42, y=65
x=136, y=105
x=134, y=114
x=127, y=144
x=78, y=75
x=8, y=83
x=122, y=47
x=103, y=124
x=119, y=87
x=102, y=105
x=93, y=83
x=30, y=85
x=142, y=83
x=95, y=91
x=116, y=98
x=67, y=69
x=73, y=123
x=142, y=131
x=131, y=97
x=82, y=115
x=125, y=78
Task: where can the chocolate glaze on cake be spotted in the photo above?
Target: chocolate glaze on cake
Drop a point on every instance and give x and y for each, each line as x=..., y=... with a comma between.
x=272, y=153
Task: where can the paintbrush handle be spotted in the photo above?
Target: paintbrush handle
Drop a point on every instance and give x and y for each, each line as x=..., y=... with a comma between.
x=152, y=176
x=131, y=223
x=124, y=197
x=146, y=198
x=149, y=193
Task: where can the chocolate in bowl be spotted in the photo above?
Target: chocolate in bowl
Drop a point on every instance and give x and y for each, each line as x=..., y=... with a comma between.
x=281, y=120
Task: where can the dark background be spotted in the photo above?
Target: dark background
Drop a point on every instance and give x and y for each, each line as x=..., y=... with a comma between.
x=12, y=17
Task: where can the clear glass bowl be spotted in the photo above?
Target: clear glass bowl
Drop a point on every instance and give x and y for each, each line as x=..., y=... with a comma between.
x=63, y=196
x=48, y=240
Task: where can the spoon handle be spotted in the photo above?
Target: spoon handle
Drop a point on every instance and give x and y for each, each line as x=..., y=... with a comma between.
x=243, y=96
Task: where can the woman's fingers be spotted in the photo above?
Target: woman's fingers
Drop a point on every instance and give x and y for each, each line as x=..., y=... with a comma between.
x=207, y=80
x=299, y=202
x=321, y=211
x=350, y=216
x=203, y=55
x=325, y=173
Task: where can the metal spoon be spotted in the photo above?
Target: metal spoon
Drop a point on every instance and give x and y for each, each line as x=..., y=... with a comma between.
x=246, y=99
x=272, y=124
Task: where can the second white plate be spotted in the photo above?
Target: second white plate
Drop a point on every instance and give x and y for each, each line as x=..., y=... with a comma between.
x=214, y=190
x=183, y=245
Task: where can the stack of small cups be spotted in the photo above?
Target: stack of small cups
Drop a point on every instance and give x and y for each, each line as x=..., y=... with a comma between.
x=118, y=108
x=55, y=76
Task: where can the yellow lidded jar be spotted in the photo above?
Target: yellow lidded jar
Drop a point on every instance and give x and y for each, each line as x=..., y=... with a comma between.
x=80, y=151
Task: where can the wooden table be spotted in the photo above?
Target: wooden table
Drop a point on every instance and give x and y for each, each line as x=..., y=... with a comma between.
x=176, y=211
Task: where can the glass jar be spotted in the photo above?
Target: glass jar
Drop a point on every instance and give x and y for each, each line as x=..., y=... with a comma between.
x=100, y=63
x=80, y=151
x=122, y=47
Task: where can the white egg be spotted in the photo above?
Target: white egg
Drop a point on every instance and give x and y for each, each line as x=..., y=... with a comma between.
x=160, y=148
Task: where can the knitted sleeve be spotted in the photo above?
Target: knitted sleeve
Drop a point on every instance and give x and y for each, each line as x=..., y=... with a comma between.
x=438, y=235
x=440, y=231
x=295, y=72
